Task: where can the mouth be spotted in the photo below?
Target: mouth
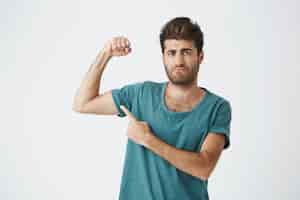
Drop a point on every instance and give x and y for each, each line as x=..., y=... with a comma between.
x=180, y=69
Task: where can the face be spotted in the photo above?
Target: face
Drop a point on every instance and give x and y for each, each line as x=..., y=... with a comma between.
x=181, y=61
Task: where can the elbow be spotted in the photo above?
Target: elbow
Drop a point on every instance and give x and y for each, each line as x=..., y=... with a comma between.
x=204, y=173
x=203, y=176
x=77, y=109
x=76, y=106
x=205, y=167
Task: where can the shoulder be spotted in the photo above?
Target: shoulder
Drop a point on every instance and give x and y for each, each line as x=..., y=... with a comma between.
x=140, y=88
x=149, y=83
x=146, y=83
x=152, y=85
x=217, y=98
x=218, y=101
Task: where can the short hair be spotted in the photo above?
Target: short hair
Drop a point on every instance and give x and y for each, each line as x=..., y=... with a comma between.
x=182, y=28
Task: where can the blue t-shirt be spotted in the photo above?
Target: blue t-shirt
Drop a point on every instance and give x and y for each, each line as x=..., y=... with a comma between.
x=147, y=176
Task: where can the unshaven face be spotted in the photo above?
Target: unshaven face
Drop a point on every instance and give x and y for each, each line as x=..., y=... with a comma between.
x=181, y=61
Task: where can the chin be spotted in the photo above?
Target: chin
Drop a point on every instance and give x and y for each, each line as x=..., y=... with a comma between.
x=181, y=81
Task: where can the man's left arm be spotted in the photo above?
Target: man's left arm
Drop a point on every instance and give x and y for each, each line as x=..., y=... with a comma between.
x=199, y=164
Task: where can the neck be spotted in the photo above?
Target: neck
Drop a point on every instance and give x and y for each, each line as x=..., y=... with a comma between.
x=183, y=93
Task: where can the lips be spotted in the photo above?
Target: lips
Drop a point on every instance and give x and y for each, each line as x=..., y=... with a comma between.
x=179, y=68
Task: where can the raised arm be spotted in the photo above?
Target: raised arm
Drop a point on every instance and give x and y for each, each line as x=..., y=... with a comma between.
x=88, y=98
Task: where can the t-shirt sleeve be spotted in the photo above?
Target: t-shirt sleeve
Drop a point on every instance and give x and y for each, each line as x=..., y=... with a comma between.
x=220, y=123
x=127, y=96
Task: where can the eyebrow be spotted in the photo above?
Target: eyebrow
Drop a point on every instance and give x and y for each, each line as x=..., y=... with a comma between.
x=183, y=49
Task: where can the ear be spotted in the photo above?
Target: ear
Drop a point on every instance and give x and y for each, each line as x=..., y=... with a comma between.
x=163, y=58
x=201, y=56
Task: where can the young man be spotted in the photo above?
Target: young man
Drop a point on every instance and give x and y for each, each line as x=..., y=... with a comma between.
x=176, y=130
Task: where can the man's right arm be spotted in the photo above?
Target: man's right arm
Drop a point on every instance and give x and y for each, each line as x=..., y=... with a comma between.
x=87, y=98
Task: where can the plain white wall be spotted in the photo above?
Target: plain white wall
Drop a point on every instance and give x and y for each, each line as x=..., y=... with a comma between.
x=49, y=152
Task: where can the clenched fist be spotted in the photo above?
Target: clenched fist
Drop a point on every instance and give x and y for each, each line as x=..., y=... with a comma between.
x=117, y=46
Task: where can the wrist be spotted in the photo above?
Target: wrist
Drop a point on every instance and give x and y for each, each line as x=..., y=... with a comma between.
x=104, y=53
x=148, y=137
x=102, y=58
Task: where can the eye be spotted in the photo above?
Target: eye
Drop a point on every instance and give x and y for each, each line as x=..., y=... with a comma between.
x=187, y=52
x=171, y=53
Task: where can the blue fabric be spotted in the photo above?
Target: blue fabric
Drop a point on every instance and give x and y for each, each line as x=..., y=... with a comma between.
x=146, y=176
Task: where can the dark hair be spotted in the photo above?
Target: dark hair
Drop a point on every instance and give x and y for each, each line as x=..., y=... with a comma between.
x=181, y=28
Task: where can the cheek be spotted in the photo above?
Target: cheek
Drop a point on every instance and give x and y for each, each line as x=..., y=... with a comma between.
x=168, y=63
x=192, y=61
x=165, y=61
x=188, y=62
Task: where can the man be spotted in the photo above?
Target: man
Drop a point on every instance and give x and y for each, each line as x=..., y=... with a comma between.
x=176, y=129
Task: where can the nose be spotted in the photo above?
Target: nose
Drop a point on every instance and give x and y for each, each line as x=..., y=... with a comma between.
x=178, y=60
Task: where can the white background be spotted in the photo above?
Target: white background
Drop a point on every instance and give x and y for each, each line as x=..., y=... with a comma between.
x=47, y=151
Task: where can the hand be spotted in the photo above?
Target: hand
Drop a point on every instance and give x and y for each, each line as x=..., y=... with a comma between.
x=117, y=46
x=138, y=131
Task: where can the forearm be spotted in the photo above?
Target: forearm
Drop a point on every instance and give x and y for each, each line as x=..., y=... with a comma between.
x=90, y=84
x=195, y=164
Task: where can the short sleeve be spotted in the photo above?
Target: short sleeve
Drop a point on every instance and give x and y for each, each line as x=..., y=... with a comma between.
x=127, y=96
x=220, y=122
